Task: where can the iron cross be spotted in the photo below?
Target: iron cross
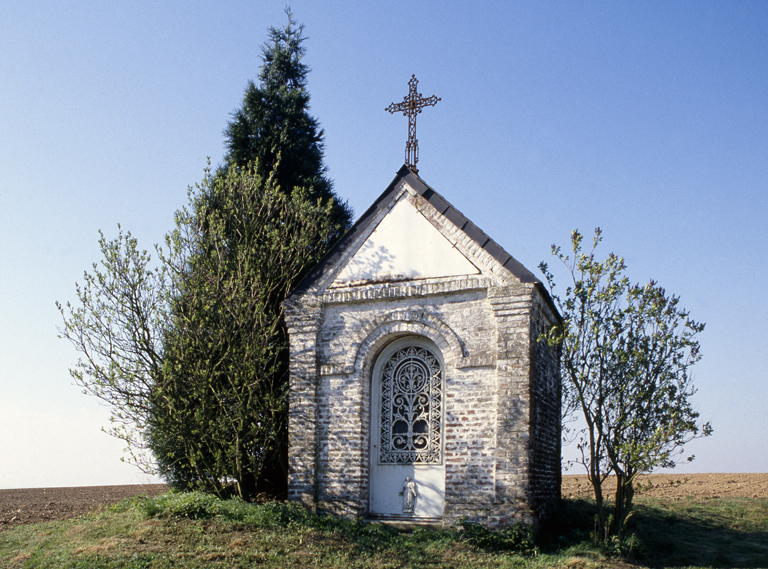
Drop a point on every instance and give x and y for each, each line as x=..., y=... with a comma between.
x=411, y=106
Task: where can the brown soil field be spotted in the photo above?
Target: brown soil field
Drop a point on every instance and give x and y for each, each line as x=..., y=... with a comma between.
x=32, y=505
x=677, y=486
x=43, y=504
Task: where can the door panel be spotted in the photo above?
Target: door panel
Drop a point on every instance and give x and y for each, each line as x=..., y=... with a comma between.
x=407, y=469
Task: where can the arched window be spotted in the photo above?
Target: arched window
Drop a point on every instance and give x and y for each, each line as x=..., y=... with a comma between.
x=411, y=406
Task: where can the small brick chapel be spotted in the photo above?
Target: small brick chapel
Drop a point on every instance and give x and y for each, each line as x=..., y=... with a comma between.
x=418, y=389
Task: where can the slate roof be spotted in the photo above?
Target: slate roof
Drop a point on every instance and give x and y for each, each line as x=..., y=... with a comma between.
x=440, y=204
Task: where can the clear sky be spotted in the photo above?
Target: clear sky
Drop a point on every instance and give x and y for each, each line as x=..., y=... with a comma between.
x=648, y=119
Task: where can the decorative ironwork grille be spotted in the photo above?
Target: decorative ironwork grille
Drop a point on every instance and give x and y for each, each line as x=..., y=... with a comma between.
x=411, y=407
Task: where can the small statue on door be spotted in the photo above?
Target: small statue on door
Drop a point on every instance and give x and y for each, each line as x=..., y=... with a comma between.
x=409, y=494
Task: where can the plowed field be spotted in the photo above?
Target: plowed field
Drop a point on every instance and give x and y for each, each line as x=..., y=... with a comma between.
x=42, y=504
x=678, y=486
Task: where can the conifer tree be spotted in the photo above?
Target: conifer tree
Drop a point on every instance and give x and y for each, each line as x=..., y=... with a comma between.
x=273, y=126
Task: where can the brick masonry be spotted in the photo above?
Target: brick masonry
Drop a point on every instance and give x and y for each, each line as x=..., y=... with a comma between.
x=502, y=386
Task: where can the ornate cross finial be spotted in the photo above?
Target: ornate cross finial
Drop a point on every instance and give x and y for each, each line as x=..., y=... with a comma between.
x=411, y=106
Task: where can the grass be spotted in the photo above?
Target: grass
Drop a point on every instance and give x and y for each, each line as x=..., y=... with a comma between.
x=713, y=533
x=195, y=530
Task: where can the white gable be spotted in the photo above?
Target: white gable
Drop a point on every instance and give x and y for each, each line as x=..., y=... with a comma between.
x=405, y=246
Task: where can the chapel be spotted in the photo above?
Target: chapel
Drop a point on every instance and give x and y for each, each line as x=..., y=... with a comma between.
x=419, y=391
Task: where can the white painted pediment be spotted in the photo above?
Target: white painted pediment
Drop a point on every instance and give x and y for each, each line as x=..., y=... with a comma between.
x=404, y=245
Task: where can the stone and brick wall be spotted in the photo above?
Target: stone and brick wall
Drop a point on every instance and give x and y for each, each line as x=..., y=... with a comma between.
x=303, y=321
x=546, y=424
x=501, y=400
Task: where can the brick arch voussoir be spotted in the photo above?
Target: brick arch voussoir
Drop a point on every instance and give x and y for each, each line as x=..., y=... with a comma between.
x=386, y=328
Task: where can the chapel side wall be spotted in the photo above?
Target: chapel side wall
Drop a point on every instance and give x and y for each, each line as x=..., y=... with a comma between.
x=546, y=423
x=511, y=310
x=303, y=323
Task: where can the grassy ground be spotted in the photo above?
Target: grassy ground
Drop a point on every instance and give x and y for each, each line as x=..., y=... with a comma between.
x=194, y=530
x=729, y=532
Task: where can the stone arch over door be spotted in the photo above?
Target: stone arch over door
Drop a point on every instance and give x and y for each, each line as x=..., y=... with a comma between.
x=407, y=429
x=379, y=332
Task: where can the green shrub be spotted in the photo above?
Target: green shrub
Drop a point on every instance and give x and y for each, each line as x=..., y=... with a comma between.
x=517, y=538
x=199, y=506
x=628, y=547
x=190, y=505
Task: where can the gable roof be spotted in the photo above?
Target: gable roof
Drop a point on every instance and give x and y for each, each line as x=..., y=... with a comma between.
x=361, y=226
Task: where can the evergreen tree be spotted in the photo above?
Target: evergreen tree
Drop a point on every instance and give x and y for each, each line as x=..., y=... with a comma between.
x=274, y=127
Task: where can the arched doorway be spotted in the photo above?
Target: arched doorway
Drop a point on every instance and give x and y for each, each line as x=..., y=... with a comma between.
x=407, y=469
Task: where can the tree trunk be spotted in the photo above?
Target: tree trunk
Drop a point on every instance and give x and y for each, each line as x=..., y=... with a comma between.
x=625, y=491
x=600, y=519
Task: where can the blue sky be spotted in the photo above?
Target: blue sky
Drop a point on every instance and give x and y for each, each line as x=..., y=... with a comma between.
x=649, y=120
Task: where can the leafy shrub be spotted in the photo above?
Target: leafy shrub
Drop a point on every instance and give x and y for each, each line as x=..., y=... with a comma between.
x=190, y=505
x=628, y=547
x=517, y=538
x=199, y=505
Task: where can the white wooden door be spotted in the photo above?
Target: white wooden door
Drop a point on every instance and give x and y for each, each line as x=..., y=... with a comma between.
x=407, y=401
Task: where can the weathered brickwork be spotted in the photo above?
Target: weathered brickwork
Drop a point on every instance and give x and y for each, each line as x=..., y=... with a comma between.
x=501, y=407
x=303, y=322
x=546, y=425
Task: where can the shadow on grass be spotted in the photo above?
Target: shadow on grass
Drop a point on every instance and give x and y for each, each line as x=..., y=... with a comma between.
x=711, y=533
x=673, y=533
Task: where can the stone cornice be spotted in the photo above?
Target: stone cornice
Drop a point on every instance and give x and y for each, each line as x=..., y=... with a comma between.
x=405, y=289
